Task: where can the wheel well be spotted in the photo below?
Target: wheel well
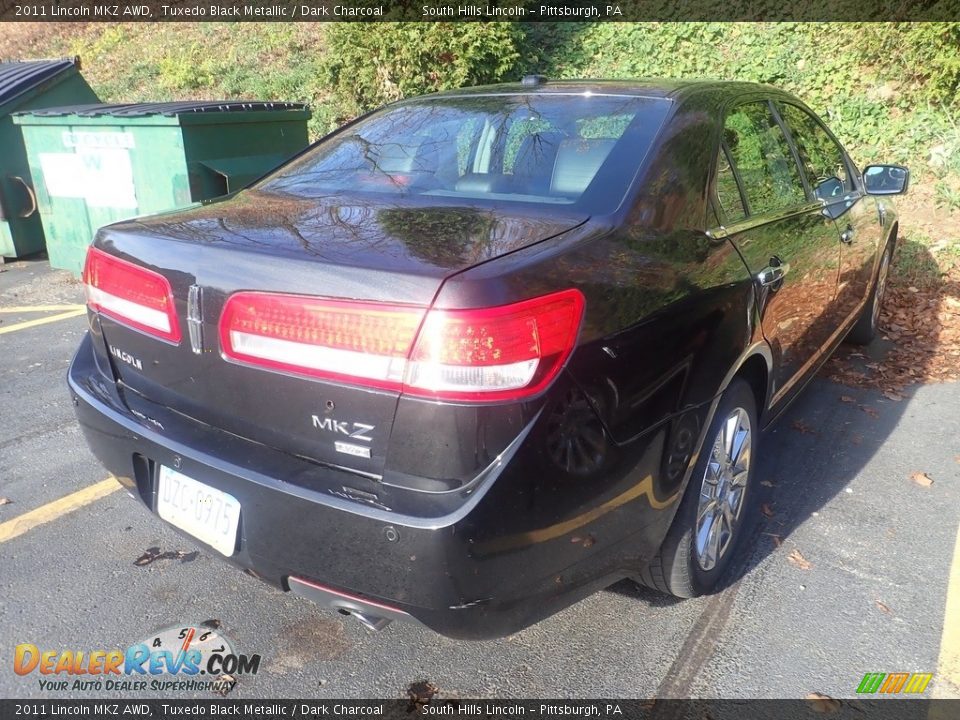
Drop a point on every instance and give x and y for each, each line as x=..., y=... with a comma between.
x=754, y=371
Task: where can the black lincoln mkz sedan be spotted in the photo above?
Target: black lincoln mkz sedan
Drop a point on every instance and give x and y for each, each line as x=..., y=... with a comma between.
x=479, y=354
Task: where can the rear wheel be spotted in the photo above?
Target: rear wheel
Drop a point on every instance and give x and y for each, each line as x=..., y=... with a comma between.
x=865, y=329
x=711, y=520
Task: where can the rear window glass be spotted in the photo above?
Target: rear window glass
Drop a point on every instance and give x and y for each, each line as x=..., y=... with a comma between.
x=565, y=149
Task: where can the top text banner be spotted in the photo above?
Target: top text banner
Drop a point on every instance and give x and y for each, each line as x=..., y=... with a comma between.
x=466, y=11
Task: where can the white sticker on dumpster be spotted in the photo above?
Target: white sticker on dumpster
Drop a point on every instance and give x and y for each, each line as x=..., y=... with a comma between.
x=109, y=177
x=103, y=177
x=62, y=175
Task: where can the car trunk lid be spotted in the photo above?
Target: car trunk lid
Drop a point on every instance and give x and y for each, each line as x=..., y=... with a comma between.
x=336, y=248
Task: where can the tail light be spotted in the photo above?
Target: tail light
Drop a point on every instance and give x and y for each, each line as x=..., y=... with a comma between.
x=501, y=353
x=334, y=339
x=130, y=294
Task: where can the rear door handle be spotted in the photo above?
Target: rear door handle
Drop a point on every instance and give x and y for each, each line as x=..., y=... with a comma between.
x=772, y=275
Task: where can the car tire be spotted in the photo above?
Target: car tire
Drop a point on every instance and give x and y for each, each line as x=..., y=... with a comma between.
x=865, y=329
x=685, y=567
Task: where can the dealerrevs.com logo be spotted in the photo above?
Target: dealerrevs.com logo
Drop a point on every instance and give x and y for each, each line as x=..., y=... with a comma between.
x=181, y=657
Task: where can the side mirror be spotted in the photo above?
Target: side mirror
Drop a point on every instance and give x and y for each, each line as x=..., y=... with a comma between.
x=886, y=179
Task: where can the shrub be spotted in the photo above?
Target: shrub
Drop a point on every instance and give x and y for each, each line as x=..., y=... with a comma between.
x=368, y=65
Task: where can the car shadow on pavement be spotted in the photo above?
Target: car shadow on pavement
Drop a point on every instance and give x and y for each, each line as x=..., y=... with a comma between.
x=648, y=596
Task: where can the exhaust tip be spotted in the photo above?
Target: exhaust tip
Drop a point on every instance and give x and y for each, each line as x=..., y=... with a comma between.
x=373, y=623
x=372, y=615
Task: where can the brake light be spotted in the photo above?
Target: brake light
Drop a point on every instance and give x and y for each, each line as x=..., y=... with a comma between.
x=335, y=339
x=130, y=294
x=499, y=353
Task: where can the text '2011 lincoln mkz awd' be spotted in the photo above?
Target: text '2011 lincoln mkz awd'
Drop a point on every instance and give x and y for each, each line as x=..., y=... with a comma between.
x=479, y=354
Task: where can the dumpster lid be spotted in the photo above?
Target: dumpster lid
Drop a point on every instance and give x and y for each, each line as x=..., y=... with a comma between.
x=18, y=76
x=167, y=109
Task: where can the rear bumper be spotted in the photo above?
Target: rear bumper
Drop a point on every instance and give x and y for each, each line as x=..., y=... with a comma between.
x=487, y=569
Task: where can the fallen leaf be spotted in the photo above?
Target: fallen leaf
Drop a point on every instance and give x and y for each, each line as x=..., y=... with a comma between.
x=871, y=411
x=767, y=510
x=856, y=438
x=796, y=558
x=847, y=399
x=801, y=426
x=767, y=483
x=882, y=608
x=588, y=541
x=891, y=395
x=922, y=479
x=923, y=324
x=5, y=501
x=822, y=704
x=212, y=624
x=956, y=458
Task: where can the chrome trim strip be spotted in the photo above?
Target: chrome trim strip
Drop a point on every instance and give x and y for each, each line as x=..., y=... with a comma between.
x=195, y=318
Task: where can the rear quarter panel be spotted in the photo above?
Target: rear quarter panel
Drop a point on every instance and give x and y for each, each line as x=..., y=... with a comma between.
x=667, y=317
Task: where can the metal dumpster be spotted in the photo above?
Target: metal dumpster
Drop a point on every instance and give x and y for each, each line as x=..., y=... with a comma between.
x=26, y=85
x=97, y=164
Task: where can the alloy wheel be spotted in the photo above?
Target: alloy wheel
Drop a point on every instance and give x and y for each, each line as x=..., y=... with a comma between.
x=723, y=489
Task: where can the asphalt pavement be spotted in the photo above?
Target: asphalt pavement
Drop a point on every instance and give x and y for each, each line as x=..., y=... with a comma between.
x=848, y=572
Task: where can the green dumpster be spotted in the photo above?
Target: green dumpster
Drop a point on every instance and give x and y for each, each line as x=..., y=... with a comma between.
x=96, y=164
x=27, y=85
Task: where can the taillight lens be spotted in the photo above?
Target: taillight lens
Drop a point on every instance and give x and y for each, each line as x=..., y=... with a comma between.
x=130, y=294
x=499, y=353
x=335, y=339
x=505, y=352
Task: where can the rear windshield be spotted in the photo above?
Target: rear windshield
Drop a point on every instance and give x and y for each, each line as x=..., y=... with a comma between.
x=570, y=149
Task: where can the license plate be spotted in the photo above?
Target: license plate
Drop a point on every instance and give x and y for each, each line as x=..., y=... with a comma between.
x=208, y=514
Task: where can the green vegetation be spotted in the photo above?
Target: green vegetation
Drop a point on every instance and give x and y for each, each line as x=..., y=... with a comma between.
x=367, y=66
x=138, y=62
x=889, y=90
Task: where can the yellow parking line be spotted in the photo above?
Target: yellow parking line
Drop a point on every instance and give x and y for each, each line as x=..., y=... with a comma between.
x=58, y=508
x=947, y=679
x=42, y=321
x=39, y=308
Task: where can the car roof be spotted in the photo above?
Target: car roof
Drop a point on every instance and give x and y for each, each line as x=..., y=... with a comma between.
x=644, y=87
